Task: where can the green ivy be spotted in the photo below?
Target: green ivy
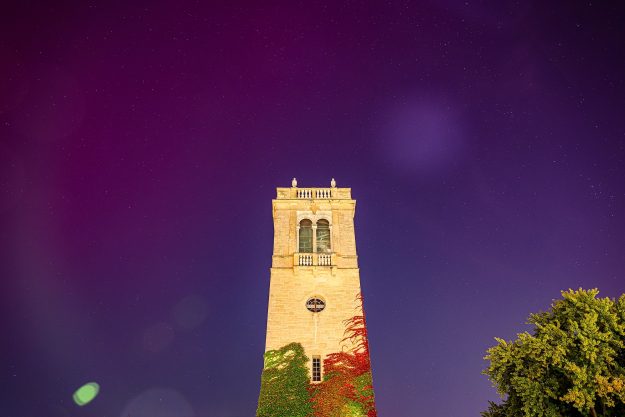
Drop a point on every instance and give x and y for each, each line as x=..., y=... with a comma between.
x=284, y=384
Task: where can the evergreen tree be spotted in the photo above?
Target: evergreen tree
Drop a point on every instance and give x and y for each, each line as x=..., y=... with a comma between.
x=572, y=365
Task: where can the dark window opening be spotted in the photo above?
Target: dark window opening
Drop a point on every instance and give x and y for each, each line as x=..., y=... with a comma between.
x=316, y=369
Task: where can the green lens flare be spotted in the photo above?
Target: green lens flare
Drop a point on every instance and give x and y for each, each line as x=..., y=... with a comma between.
x=86, y=393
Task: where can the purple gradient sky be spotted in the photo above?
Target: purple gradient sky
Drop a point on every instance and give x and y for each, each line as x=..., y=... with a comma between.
x=140, y=148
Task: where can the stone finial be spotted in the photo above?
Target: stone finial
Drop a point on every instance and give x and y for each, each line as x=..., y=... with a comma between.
x=294, y=183
x=333, y=183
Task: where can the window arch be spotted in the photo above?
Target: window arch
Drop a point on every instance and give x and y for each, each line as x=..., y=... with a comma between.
x=305, y=236
x=323, y=236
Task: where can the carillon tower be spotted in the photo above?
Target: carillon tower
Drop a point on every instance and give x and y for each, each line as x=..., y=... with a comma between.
x=316, y=352
x=315, y=282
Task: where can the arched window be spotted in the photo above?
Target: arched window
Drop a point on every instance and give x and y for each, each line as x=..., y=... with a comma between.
x=323, y=236
x=305, y=236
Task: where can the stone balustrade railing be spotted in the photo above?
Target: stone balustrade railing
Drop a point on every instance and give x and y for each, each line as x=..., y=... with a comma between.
x=314, y=193
x=304, y=259
x=324, y=259
x=313, y=259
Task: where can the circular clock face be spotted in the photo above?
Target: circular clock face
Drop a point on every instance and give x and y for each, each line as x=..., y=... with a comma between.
x=315, y=304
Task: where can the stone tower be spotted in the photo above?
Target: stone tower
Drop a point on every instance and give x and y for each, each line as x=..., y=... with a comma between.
x=315, y=279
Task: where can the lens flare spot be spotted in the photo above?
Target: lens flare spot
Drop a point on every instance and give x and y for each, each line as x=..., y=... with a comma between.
x=87, y=393
x=190, y=312
x=423, y=136
x=158, y=337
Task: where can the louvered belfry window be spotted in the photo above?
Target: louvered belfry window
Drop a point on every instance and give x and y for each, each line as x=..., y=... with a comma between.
x=305, y=236
x=323, y=236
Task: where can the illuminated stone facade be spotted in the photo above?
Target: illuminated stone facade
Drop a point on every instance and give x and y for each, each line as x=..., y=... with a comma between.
x=328, y=271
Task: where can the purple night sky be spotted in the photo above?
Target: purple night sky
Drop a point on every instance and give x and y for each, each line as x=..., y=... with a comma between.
x=141, y=145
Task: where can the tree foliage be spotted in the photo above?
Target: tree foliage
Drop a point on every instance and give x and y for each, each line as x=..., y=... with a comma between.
x=284, y=384
x=572, y=365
